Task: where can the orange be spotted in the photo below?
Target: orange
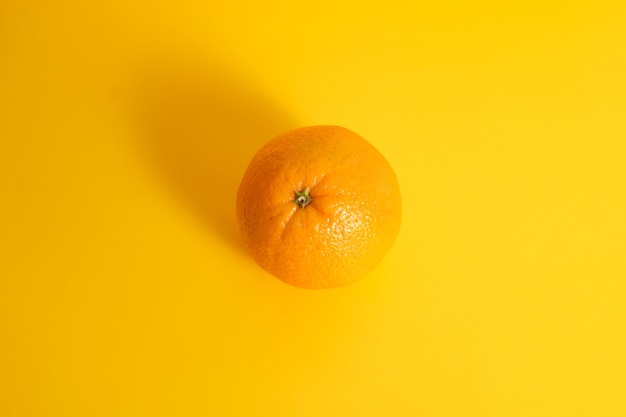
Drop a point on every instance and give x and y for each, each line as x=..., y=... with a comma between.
x=319, y=207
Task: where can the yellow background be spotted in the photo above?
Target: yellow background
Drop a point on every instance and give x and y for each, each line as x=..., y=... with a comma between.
x=125, y=127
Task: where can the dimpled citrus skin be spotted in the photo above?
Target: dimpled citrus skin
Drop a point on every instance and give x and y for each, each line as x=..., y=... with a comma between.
x=350, y=223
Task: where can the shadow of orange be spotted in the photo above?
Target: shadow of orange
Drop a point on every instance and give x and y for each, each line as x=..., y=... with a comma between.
x=199, y=129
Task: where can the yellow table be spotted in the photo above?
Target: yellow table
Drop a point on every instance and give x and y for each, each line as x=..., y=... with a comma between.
x=125, y=290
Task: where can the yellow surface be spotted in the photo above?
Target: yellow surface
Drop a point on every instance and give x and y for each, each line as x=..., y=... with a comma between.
x=124, y=130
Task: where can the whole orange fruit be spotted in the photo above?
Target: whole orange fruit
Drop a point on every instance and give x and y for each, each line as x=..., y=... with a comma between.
x=319, y=207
